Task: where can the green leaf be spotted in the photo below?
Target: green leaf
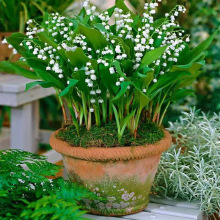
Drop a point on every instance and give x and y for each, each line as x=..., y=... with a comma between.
x=124, y=86
x=158, y=22
x=153, y=55
x=8, y=67
x=95, y=37
x=81, y=85
x=192, y=68
x=43, y=84
x=197, y=51
x=118, y=68
x=48, y=76
x=143, y=80
x=140, y=98
x=15, y=40
x=120, y=4
x=100, y=27
x=165, y=81
x=72, y=83
x=179, y=94
x=77, y=57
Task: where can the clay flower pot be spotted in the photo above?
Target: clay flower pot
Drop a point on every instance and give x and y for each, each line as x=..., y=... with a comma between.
x=122, y=176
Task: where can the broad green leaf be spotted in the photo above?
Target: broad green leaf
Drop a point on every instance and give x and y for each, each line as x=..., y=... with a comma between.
x=192, y=68
x=49, y=76
x=43, y=84
x=153, y=55
x=81, y=85
x=165, y=81
x=197, y=51
x=8, y=67
x=77, y=57
x=124, y=86
x=100, y=27
x=158, y=22
x=72, y=83
x=118, y=68
x=179, y=94
x=95, y=37
x=140, y=98
x=183, y=55
x=120, y=4
x=143, y=80
x=15, y=40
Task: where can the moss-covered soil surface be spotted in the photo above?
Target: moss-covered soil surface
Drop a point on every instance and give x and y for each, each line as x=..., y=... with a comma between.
x=106, y=136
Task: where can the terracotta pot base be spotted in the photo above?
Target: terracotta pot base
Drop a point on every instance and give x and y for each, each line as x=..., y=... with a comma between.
x=120, y=177
x=115, y=212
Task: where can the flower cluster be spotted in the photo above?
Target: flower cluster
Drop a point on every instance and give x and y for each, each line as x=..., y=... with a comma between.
x=102, y=68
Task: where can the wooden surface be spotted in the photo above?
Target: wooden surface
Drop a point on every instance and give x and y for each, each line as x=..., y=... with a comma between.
x=12, y=91
x=25, y=110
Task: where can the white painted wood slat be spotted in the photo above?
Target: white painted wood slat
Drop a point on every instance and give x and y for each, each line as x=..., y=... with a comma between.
x=174, y=211
x=176, y=202
x=153, y=216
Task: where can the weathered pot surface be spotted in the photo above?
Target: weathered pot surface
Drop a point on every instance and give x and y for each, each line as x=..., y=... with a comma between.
x=122, y=175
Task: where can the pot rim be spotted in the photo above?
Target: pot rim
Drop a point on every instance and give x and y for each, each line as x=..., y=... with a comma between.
x=111, y=154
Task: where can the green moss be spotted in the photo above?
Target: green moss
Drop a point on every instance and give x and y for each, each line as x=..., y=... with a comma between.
x=117, y=197
x=106, y=136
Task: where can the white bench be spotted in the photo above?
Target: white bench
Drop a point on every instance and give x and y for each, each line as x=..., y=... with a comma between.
x=24, y=132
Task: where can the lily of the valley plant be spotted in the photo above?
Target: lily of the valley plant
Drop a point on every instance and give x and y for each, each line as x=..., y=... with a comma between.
x=113, y=65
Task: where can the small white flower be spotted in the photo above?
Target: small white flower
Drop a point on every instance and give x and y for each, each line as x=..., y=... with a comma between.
x=98, y=91
x=154, y=80
x=92, y=92
x=60, y=76
x=121, y=79
x=144, y=90
x=91, y=109
x=118, y=83
x=92, y=100
x=112, y=70
x=93, y=77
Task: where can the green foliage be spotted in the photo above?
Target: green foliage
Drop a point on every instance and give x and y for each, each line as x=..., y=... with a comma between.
x=202, y=20
x=136, y=73
x=15, y=13
x=27, y=193
x=190, y=169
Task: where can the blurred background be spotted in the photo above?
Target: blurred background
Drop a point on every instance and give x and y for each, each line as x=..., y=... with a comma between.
x=201, y=19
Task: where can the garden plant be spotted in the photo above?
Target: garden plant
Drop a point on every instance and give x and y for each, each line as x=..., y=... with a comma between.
x=116, y=73
x=190, y=168
x=27, y=193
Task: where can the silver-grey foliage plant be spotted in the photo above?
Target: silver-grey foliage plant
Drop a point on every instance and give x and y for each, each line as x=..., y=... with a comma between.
x=191, y=168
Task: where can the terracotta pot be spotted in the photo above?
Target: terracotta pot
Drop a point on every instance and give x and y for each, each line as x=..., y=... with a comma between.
x=122, y=175
x=5, y=52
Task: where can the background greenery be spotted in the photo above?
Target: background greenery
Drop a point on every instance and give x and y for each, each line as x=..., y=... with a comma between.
x=201, y=19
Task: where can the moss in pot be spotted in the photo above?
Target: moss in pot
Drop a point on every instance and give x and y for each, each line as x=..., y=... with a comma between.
x=118, y=79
